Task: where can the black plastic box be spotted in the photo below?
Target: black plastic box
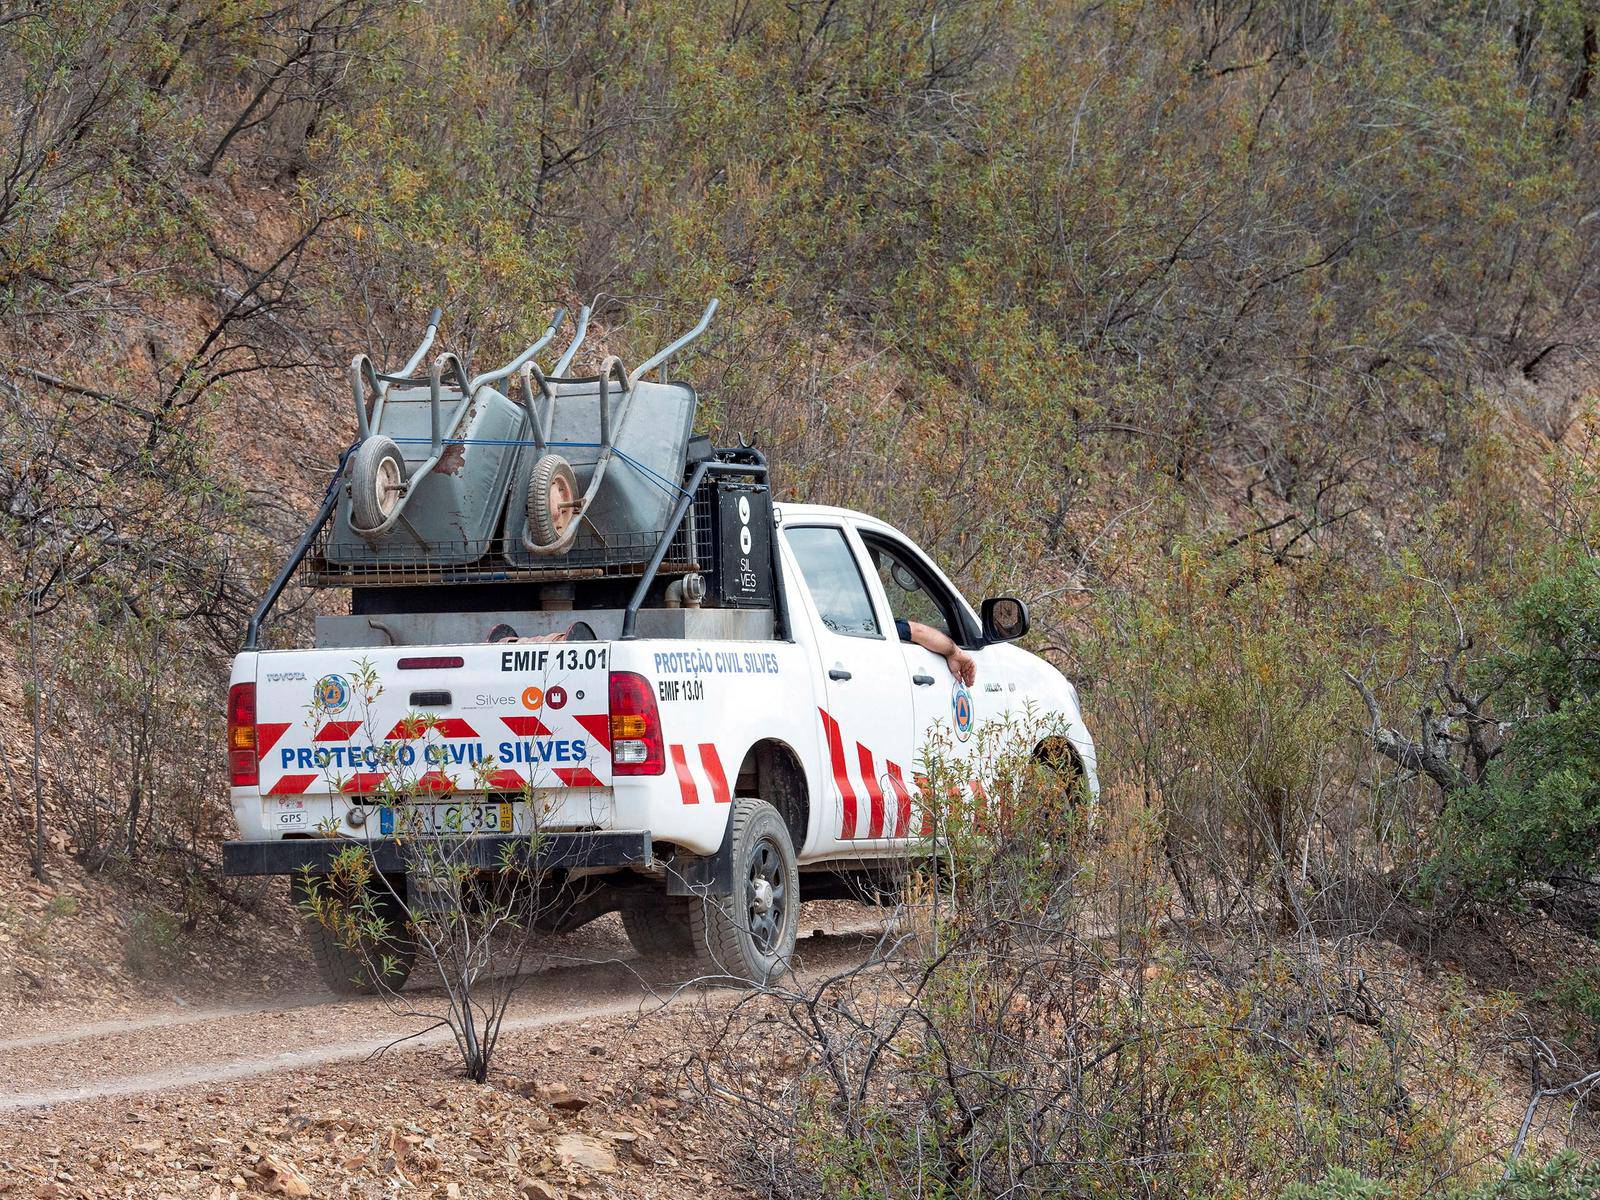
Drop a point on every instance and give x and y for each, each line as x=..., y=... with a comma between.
x=743, y=575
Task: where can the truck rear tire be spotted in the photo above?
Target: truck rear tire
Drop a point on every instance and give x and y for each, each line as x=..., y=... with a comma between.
x=749, y=936
x=359, y=969
x=659, y=927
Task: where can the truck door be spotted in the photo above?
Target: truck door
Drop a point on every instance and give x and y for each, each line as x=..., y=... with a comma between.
x=866, y=721
x=947, y=716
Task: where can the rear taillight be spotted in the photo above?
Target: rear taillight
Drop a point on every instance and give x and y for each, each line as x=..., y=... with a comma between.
x=242, y=758
x=636, y=747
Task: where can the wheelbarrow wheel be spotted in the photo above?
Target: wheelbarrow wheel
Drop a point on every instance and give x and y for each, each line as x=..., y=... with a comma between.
x=552, y=499
x=377, y=483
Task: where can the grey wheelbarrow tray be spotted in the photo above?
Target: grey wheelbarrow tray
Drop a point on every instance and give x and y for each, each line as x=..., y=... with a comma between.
x=457, y=437
x=592, y=422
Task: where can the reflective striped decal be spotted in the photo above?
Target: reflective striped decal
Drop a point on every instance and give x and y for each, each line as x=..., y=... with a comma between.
x=902, y=800
x=869, y=780
x=408, y=728
x=267, y=735
x=841, y=776
x=577, y=777
x=713, y=765
x=337, y=731
x=526, y=726
x=686, y=787
x=597, y=726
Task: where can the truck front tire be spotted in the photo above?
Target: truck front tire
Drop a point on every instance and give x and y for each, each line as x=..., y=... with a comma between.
x=749, y=936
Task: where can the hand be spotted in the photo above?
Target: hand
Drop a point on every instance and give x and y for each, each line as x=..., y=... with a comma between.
x=962, y=665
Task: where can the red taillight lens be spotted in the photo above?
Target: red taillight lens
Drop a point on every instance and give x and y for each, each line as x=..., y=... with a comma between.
x=636, y=747
x=242, y=760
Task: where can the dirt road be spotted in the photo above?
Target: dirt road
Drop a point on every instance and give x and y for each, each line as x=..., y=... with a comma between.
x=181, y=1048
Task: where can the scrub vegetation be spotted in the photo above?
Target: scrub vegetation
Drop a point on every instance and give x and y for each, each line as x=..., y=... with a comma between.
x=1250, y=342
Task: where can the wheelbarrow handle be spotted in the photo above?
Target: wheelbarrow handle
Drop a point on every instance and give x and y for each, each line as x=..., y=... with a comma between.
x=662, y=355
x=363, y=375
x=537, y=423
x=611, y=367
x=538, y=345
x=577, y=340
x=431, y=332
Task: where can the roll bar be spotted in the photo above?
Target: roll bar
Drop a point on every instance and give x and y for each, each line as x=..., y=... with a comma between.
x=742, y=461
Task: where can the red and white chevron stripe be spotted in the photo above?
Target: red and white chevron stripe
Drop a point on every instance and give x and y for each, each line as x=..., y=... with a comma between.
x=875, y=800
x=698, y=770
x=437, y=778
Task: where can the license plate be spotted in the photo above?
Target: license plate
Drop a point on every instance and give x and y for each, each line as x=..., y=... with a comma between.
x=446, y=818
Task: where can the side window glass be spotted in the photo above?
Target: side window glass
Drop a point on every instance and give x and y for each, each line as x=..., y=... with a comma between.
x=834, y=580
x=910, y=598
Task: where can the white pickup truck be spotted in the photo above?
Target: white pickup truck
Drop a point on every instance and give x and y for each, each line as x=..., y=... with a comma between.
x=708, y=767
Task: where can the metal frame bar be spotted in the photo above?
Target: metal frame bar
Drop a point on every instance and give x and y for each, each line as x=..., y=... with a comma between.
x=330, y=498
x=755, y=464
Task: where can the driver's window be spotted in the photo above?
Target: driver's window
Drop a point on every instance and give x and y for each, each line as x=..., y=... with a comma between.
x=910, y=599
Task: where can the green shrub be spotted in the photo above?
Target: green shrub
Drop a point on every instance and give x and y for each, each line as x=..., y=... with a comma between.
x=1565, y=1177
x=1536, y=813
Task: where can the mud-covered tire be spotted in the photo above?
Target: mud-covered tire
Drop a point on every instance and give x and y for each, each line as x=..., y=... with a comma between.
x=551, y=486
x=735, y=938
x=658, y=927
x=377, y=483
x=354, y=970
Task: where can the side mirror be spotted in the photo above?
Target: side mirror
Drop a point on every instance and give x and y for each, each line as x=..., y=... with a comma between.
x=1005, y=619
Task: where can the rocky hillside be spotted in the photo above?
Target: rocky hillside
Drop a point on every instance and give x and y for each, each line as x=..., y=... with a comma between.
x=1251, y=344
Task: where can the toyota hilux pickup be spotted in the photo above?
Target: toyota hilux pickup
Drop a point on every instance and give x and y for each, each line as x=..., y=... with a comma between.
x=705, y=738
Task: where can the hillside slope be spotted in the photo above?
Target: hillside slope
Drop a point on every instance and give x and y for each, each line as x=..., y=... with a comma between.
x=1253, y=345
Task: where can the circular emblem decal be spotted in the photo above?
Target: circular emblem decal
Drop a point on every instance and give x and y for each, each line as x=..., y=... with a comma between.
x=961, y=710
x=332, y=694
x=532, y=697
x=556, y=697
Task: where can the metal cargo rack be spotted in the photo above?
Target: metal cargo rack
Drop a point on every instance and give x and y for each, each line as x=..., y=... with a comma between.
x=683, y=547
x=619, y=557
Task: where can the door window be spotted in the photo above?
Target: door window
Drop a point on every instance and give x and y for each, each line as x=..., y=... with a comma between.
x=834, y=580
x=913, y=595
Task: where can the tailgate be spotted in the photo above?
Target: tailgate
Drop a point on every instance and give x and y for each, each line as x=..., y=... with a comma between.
x=480, y=718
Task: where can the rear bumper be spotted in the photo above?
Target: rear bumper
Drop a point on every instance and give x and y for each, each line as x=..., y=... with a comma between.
x=287, y=856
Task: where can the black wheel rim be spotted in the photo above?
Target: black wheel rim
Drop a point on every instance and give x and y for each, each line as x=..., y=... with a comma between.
x=768, y=897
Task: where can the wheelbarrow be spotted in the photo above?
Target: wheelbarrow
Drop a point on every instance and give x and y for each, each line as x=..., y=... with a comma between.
x=616, y=427
x=427, y=480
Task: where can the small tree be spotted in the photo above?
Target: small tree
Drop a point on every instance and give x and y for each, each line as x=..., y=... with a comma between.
x=467, y=918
